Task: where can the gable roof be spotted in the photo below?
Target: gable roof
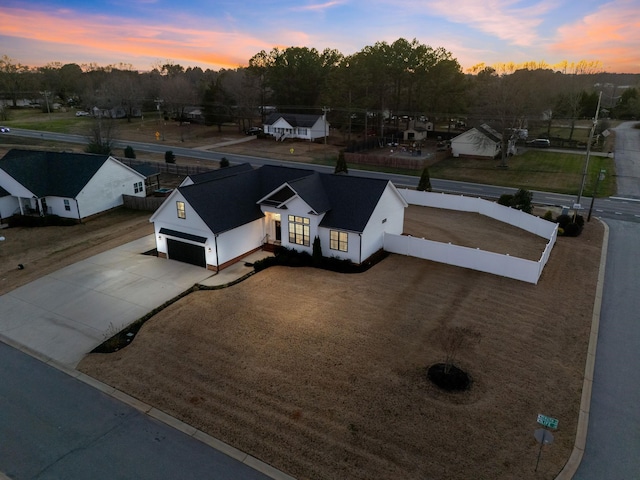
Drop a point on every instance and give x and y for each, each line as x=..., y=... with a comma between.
x=294, y=119
x=489, y=132
x=229, y=202
x=57, y=174
x=353, y=200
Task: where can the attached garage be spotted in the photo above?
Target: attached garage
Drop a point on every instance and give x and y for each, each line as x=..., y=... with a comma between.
x=186, y=252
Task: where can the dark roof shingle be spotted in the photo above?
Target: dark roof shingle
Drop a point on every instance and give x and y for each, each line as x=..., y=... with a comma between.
x=52, y=173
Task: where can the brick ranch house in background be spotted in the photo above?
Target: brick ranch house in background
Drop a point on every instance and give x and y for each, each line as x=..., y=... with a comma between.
x=216, y=218
x=70, y=185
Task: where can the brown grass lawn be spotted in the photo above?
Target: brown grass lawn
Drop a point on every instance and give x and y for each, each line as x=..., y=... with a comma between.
x=322, y=375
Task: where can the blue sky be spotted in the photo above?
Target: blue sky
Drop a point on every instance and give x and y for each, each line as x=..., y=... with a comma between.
x=225, y=34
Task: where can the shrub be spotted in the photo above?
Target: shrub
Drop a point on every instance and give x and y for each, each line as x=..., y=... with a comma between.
x=341, y=164
x=563, y=220
x=224, y=163
x=521, y=200
x=505, y=199
x=548, y=215
x=572, y=230
x=317, y=252
x=128, y=152
x=169, y=157
x=46, y=221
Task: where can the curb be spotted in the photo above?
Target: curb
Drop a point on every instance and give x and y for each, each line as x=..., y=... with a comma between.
x=153, y=412
x=571, y=467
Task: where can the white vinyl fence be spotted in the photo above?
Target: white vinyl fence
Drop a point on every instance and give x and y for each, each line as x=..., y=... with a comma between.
x=476, y=259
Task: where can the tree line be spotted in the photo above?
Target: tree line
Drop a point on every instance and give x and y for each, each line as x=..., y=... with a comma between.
x=384, y=82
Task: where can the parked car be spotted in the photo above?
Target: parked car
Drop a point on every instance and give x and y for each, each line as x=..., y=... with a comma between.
x=539, y=143
x=5, y=129
x=81, y=113
x=253, y=131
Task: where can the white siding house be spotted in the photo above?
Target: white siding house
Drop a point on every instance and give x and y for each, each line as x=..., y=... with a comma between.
x=217, y=221
x=294, y=125
x=70, y=185
x=478, y=142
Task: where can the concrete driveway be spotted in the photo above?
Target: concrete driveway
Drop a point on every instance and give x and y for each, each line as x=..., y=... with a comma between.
x=66, y=314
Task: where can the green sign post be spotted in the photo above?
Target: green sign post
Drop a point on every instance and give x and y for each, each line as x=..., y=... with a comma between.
x=547, y=421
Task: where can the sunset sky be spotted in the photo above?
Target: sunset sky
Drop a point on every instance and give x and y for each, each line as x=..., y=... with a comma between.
x=226, y=34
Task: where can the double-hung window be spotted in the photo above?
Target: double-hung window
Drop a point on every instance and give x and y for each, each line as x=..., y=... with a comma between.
x=182, y=213
x=137, y=187
x=338, y=240
x=299, y=230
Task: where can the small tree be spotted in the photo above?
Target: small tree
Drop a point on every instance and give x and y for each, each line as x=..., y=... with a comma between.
x=341, y=164
x=317, y=252
x=424, y=185
x=129, y=153
x=522, y=200
x=224, y=163
x=169, y=157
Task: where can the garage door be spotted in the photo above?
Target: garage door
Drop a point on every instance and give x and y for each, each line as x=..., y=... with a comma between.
x=186, y=252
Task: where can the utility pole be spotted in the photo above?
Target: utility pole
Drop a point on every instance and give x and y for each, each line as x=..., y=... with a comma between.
x=586, y=162
x=324, y=112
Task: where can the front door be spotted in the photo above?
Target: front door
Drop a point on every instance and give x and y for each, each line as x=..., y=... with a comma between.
x=278, y=231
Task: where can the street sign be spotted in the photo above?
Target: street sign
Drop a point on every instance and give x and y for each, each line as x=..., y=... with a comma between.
x=547, y=421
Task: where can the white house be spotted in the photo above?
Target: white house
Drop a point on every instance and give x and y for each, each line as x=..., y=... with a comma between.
x=70, y=185
x=296, y=125
x=478, y=142
x=218, y=219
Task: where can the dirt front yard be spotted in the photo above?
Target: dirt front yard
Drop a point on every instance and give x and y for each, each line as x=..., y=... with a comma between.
x=323, y=375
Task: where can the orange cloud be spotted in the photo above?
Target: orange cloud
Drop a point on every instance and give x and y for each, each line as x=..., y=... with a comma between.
x=611, y=35
x=127, y=40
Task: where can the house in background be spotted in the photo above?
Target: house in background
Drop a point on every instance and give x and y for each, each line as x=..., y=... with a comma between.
x=217, y=221
x=296, y=125
x=481, y=142
x=70, y=185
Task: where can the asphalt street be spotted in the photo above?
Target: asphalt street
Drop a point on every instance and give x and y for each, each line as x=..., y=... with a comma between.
x=53, y=426
x=613, y=435
x=623, y=207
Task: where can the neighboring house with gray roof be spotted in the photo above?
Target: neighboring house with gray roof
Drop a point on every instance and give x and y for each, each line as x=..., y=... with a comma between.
x=296, y=125
x=217, y=222
x=481, y=142
x=70, y=185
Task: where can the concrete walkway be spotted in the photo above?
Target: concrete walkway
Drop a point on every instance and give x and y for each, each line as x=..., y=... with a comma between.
x=235, y=141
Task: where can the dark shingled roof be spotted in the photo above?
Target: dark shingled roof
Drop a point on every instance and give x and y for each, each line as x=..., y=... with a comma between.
x=220, y=173
x=294, y=119
x=52, y=173
x=229, y=202
x=489, y=132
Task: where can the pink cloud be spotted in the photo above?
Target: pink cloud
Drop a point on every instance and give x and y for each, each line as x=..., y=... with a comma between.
x=499, y=18
x=611, y=35
x=128, y=40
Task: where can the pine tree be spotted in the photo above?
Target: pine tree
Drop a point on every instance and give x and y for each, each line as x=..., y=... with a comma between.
x=341, y=164
x=424, y=185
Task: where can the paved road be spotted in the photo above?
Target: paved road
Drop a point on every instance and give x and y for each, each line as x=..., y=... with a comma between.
x=613, y=438
x=627, y=155
x=53, y=426
x=616, y=208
